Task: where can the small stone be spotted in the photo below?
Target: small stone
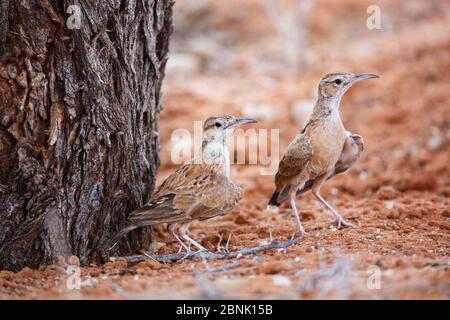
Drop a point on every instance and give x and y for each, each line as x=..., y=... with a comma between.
x=389, y=205
x=281, y=281
x=435, y=140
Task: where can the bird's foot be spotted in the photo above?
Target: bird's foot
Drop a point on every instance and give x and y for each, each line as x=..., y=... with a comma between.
x=302, y=233
x=342, y=223
x=202, y=250
x=188, y=253
x=194, y=243
x=203, y=253
x=186, y=249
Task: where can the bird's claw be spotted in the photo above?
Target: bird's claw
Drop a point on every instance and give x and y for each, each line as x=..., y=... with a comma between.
x=302, y=233
x=188, y=253
x=342, y=223
x=204, y=250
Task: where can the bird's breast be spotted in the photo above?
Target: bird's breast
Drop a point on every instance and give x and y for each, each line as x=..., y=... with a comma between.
x=327, y=140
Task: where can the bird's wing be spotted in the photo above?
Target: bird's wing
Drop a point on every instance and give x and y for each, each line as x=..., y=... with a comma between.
x=217, y=200
x=190, y=193
x=351, y=152
x=180, y=177
x=294, y=161
x=158, y=210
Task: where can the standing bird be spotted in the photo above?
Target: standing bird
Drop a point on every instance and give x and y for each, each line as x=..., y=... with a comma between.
x=199, y=190
x=321, y=150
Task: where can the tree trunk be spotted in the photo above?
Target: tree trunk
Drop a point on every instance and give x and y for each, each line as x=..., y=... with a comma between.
x=78, y=125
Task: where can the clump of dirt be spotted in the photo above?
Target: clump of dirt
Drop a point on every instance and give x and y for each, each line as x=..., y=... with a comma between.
x=398, y=193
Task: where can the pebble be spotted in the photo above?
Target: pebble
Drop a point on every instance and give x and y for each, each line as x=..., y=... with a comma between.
x=389, y=205
x=435, y=140
x=281, y=281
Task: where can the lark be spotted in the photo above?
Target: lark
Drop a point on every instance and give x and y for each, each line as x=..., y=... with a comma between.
x=321, y=150
x=199, y=190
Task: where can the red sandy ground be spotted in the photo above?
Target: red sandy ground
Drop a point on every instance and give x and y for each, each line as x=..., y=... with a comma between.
x=398, y=193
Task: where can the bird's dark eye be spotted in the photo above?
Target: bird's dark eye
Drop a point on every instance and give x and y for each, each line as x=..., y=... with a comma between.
x=338, y=81
x=218, y=124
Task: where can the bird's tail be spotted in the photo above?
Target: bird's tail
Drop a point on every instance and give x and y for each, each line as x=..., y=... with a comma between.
x=274, y=199
x=278, y=197
x=119, y=235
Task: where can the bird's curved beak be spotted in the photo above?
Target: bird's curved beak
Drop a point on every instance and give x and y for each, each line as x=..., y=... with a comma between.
x=363, y=76
x=238, y=122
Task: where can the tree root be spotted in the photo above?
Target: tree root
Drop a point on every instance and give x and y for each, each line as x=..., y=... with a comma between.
x=205, y=255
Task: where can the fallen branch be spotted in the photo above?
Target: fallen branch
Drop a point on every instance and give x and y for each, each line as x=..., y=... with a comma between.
x=180, y=256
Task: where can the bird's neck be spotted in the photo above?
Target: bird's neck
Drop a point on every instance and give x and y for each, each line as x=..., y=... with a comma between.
x=326, y=108
x=215, y=153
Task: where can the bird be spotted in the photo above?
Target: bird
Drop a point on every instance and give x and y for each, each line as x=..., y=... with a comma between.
x=200, y=189
x=323, y=149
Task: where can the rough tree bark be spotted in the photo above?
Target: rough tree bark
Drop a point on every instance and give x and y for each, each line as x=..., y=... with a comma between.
x=78, y=124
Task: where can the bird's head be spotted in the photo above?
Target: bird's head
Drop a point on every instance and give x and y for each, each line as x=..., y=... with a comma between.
x=334, y=85
x=218, y=127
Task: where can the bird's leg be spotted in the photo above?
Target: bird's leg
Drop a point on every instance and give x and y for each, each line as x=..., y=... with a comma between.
x=297, y=217
x=183, y=232
x=171, y=229
x=339, y=219
x=195, y=243
x=182, y=245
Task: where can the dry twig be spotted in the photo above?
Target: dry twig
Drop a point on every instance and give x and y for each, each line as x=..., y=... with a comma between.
x=174, y=257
